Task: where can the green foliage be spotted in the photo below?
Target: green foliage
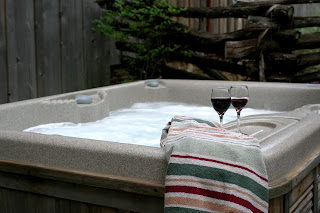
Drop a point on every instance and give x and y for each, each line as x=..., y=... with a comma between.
x=144, y=28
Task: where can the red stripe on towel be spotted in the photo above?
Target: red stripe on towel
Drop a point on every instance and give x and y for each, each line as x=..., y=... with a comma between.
x=216, y=161
x=213, y=194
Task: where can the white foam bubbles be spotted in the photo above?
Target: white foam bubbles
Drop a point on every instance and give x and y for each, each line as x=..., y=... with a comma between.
x=140, y=124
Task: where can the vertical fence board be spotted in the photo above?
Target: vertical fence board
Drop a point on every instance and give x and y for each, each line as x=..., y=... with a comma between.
x=73, y=72
x=191, y=20
x=196, y=3
x=181, y=3
x=3, y=55
x=42, y=45
x=175, y=2
x=223, y=21
x=215, y=22
x=203, y=21
x=48, y=47
x=231, y=21
x=96, y=54
x=21, y=50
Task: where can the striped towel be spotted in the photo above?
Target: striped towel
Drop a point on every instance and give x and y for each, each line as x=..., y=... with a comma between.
x=211, y=169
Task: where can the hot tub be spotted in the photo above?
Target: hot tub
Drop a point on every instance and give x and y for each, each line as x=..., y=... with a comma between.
x=51, y=172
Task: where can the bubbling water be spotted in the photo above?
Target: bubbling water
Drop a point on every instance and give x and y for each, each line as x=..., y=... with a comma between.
x=140, y=124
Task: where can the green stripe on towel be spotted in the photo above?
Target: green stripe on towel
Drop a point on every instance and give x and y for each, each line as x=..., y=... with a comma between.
x=212, y=169
x=219, y=175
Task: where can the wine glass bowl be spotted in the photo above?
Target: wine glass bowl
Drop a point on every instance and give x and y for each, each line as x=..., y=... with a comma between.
x=221, y=100
x=239, y=99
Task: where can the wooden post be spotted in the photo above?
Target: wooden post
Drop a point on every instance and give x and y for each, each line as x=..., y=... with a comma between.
x=276, y=205
x=282, y=13
x=262, y=76
x=3, y=55
x=259, y=23
x=241, y=3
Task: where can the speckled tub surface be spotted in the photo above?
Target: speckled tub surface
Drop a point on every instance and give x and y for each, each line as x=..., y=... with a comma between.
x=289, y=141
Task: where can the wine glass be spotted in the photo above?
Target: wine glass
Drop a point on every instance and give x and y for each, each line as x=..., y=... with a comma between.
x=220, y=99
x=239, y=98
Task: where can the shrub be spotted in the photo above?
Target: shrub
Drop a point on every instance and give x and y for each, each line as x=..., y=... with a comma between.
x=143, y=27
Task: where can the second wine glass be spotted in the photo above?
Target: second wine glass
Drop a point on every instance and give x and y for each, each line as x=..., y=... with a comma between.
x=239, y=98
x=220, y=99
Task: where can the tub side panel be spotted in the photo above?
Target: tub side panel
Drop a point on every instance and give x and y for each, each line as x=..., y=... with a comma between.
x=21, y=193
x=91, y=156
x=293, y=153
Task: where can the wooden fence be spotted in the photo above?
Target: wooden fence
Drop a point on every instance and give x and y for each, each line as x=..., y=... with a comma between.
x=223, y=25
x=47, y=47
x=218, y=25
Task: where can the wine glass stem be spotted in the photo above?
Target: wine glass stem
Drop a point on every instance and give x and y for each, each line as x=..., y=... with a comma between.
x=221, y=120
x=238, y=121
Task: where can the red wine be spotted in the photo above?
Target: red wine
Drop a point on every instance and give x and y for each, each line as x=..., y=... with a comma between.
x=239, y=103
x=221, y=105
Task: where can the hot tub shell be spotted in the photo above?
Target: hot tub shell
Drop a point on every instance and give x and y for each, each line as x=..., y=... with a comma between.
x=111, y=176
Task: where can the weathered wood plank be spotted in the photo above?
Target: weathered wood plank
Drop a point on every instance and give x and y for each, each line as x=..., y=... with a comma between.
x=300, y=22
x=81, y=192
x=308, y=207
x=241, y=3
x=223, y=21
x=73, y=72
x=174, y=73
x=21, y=50
x=10, y=199
x=308, y=41
x=276, y=205
x=304, y=203
x=302, y=200
x=97, y=58
x=305, y=78
x=203, y=21
x=297, y=192
x=316, y=194
x=219, y=12
x=48, y=47
x=181, y=3
x=196, y=3
x=260, y=23
x=239, y=49
x=129, y=185
x=19, y=201
x=3, y=55
x=307, y=60
x=212, y=63
x=282, y=63
x=214, y=21
x=281, y=13
x=290, y=36
x=231, y=21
